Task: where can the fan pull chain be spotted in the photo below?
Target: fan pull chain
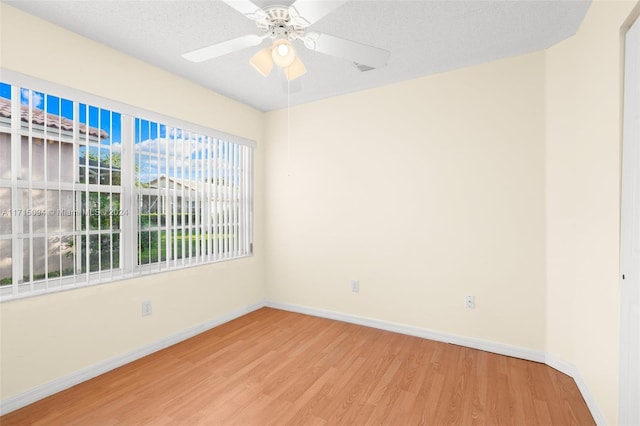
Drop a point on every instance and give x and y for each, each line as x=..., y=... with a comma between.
x=288, y=128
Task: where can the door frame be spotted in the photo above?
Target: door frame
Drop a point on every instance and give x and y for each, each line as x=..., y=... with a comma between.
x=629, y=279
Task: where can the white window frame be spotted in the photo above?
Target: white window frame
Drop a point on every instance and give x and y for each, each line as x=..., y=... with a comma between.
x=130, y=194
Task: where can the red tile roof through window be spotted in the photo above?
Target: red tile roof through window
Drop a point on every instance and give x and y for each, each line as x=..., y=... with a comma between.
x=53, y=121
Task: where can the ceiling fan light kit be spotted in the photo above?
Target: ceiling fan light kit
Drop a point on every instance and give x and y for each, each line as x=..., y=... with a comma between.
x=263, y=61
x=284, y=25
x=295, y=70
x=282, y=53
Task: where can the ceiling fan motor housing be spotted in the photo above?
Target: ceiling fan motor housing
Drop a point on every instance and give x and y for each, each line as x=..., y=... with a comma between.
x=279, y=24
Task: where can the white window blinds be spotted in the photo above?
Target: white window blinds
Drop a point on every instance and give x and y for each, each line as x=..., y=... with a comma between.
x=90, y=194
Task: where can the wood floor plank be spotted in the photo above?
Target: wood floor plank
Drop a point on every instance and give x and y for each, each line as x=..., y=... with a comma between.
x=273, y=367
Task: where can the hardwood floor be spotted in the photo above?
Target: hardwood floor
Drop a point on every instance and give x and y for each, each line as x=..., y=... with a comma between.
x=274, y=368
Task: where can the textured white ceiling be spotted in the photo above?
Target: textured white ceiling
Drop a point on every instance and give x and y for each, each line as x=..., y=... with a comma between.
x=424, y=37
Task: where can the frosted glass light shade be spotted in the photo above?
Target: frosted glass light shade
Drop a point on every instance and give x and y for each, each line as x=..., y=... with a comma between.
x=295, y=70
x=263, y=61
x=282, y=53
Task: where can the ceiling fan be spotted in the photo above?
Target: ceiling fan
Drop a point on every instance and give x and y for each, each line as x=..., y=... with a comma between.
x=284, y=25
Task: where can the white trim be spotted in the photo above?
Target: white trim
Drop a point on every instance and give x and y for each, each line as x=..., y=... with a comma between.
x=483, y=345
x=47, y=389
x=629, y=275
x=39, y=392
x=33, y=83
x=7, y=296
x=573, y=372
x=129, y=192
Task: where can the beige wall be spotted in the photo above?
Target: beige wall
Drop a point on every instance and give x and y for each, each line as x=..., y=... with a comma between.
x=424, y=191
x=583, y=182
x=500, y=180
x=49, y=337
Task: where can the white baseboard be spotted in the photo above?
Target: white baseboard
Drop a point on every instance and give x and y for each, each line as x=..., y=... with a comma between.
x=484, y=345
x=488, y=346
x=57, y=385
x=573, y=372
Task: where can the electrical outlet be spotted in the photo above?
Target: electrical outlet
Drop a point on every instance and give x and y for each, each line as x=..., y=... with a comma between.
x=470, y=301
x=355, y=286
x=146, y=308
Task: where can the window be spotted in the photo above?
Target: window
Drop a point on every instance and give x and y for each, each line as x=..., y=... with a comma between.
x=193, y=194
x=89, y=194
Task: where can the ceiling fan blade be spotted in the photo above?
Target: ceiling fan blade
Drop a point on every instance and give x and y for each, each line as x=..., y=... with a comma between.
x=308, y=12
x=346, y=49
x=248, y=9
x=219, y=49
